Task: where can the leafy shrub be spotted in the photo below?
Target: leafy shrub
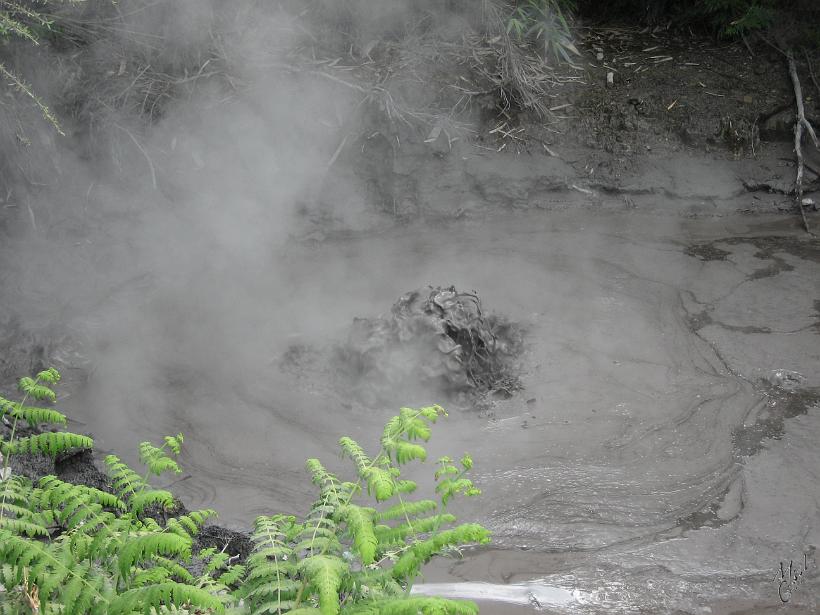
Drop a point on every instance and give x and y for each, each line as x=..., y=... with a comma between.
x=19, y=21
x=734, y=18
x=545, y=23
x=72, y=549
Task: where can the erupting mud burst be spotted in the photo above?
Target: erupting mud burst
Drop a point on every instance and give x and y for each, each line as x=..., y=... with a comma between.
x=432, y=336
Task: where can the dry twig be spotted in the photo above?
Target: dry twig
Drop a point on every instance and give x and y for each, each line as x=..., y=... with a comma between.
x=800, y=124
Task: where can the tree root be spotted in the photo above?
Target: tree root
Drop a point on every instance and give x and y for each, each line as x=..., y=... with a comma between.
x=800, y=124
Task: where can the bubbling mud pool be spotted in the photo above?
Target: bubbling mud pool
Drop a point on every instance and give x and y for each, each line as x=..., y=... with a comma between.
x=662, y=456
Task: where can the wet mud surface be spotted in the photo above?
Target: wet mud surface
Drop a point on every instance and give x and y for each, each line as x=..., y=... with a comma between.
x=660, y=457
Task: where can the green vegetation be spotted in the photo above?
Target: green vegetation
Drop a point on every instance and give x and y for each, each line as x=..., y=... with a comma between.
x=791, y=19
x=545, y=22
x=20, y=21
x=73, y=549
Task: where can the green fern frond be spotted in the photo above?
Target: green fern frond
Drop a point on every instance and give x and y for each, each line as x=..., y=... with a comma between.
x=125, y=481
x=380, y=483
x=174, y=443
x=404, y=452
x=432, y=413
x=360, y=525
x=38, y=391
x=352, y=449
x=33, y=415
x=190, y=524
x=157, y=460
x=21, y=526
x=451, y=487
x=50, y=376
x=139, y=502
x=414, y=424
x=390, y=537
x=152, y=576
x=406, y=509
x=162, y=595
x=147, y=546
x=75, y=588
x=76, y=505
x=410, y=562
x=319, y=475
x=49, y=443
x=272, y=567
x=320, y=544
x=325, y=574
x=405, y=486
x=232, y=575
x=413, y=606
x=214, y=561
x=132, y=488
x=174, y=568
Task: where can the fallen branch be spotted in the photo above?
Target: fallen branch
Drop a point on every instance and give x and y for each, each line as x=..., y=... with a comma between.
x=800, y=124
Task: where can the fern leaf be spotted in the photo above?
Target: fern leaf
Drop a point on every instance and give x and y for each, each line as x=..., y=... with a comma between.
x=319, y=544
x=78, y=587
x=32, y=415
x=379, y=483
x=164, y=595
x=50, y=443
x=450, y=487
x=272, y=568
x=431, y=413
x=157, y=460
x=233, y=575
x=190, y=524
x=144, y=547
x=174, y=568
x=406, y=486
x=152, y=576
x=140, y=501
x=410, y=562
x=174, y=443
x=125, y=481
x=393, y=536
x=360, y=525
x=404, y=452
x=38, y=391
x=131, y=487
x=352, y=449
x=23, y=526
x=325, y=574
x=50, y=375
x=406, y=509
